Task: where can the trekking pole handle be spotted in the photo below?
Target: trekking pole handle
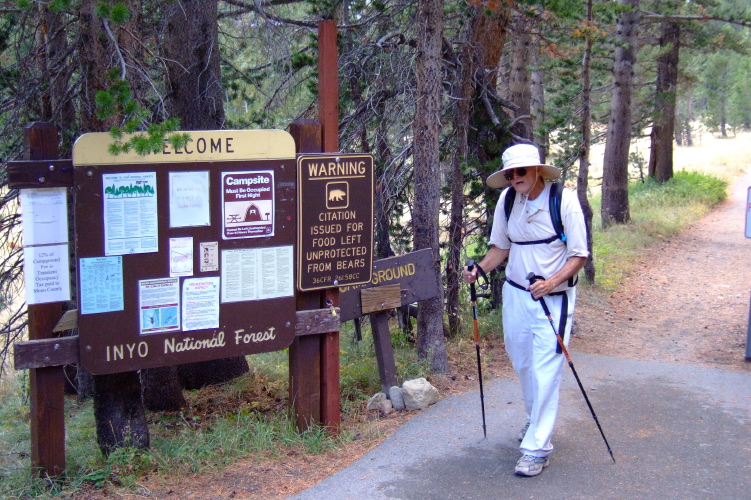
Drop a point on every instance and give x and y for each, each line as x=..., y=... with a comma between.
x=472, y=292
x=533, y=278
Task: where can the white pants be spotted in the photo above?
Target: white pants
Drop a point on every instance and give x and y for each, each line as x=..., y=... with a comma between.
x=531, y=344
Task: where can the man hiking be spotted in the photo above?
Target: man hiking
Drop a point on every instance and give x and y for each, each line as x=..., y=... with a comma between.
x=549, y=240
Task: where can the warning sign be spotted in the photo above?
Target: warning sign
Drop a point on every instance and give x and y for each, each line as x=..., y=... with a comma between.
x=335, y=208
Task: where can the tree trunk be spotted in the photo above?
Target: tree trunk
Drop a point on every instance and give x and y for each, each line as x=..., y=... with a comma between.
x=537, y=105
x=160, y=389
x=687, y=124
x=615, y=209
x=519, y=88
x=96, y=53
x=426, y=130
x=84, y=384
x=380, y=209
x=191, y=49
x=486, y=140
x=661, y=153
x=118, y=409
x=57, y=105
x=197, y=375
x=195, y=95
x=463, y=93
x=478, y=61
x=582, y=181
x=119, y=413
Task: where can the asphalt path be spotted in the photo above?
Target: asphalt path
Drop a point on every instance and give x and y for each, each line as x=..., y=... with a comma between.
x=677, y=431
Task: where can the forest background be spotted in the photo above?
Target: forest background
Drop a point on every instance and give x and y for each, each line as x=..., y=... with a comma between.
x=434, y=89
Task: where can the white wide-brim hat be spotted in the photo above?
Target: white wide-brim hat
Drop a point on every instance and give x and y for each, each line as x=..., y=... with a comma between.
x=517, y=156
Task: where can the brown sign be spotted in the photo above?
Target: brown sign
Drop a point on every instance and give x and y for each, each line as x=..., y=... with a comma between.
x=185, y=261
x=414, y=272
x=335, y=212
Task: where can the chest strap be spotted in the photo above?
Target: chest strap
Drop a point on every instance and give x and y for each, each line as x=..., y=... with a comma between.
x=535, y=242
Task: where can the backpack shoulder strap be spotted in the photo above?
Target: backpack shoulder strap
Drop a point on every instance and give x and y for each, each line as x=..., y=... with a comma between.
x=508, y=203
x=556, y=193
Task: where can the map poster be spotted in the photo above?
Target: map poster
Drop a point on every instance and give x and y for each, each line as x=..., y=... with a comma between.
x=130, y=213
x=248, y=204
x=101, y=284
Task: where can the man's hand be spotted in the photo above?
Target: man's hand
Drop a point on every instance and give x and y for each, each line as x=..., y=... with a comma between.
x=469, y=277
x=541, y=288
x=492, y=259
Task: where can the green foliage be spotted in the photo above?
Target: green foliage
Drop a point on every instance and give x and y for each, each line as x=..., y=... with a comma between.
x=685, y=188
x=115, y=10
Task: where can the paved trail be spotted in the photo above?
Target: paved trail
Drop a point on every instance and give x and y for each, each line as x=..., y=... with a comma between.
x=665, y=374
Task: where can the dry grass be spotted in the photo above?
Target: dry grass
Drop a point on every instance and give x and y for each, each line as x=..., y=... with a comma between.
x=724, y=158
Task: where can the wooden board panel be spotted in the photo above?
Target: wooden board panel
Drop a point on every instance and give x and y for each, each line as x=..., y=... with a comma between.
x=380, y=298
x=44, y=353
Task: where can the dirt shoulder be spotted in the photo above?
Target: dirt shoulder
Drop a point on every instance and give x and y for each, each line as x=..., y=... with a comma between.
x=686, y=300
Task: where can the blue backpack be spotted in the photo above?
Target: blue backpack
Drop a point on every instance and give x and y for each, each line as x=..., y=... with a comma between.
x=556, y=190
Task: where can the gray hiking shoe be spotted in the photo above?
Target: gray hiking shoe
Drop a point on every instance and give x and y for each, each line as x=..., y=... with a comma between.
x=530, y=465
x=523, y=432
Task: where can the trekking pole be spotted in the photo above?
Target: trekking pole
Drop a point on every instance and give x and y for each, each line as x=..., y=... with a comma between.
x=473, y=297
x=532, y=277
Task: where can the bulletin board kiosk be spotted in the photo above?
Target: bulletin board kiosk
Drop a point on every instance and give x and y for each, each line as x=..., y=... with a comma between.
x=186, y=255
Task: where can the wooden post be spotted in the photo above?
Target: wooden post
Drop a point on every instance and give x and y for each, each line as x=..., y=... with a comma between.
x=397, y=282
x=314, y=359
x=328, y=85
x=330, y=383
x=384, y=350
x=47, y=399
x=328, y=115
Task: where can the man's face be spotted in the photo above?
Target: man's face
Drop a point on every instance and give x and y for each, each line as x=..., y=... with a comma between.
x=523, y=183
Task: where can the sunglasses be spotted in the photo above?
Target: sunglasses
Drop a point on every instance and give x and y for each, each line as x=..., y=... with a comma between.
x=509, y=176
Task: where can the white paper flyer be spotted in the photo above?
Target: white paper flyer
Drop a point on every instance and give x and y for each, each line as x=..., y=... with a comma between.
x=257, y=273
x=200, y=303
x=159, y=303
x=130, y=213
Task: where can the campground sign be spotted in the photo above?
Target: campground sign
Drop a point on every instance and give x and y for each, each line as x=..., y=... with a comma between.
x=413, y=274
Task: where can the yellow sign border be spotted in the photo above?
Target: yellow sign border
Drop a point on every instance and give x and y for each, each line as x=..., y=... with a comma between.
x=204, y=146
